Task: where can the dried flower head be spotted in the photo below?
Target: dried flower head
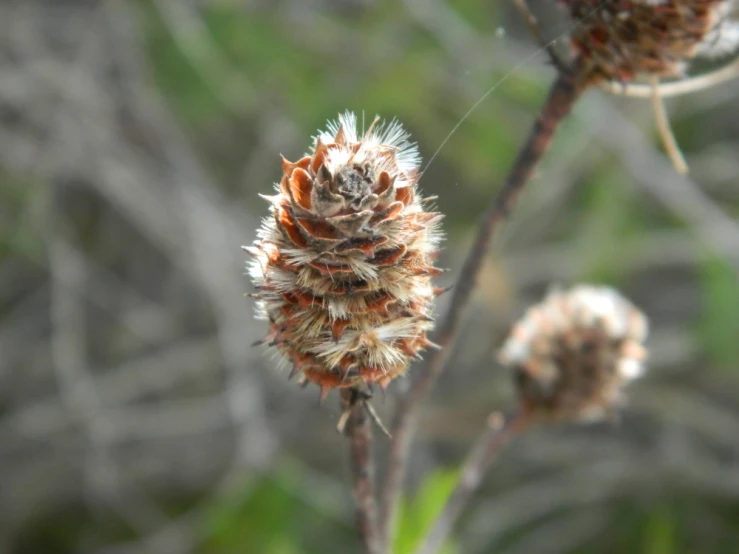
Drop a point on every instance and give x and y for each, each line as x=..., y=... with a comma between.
x=623, y=39
x=573, y=353
x=345, y=261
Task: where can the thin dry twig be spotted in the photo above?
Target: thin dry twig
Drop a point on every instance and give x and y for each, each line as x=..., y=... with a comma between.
x=358, y=430
x=496, y=435
x=672, y=149
x=547, y=45
x=676, y=88
x=564, y=92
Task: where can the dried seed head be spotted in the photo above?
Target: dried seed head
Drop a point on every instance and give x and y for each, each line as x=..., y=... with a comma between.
x=573, y=353
x=344, y=262
x=623, y=39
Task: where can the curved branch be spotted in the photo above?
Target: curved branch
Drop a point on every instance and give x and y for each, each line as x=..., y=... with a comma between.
x=563, y=94
x=486, y=449
x=675, y=88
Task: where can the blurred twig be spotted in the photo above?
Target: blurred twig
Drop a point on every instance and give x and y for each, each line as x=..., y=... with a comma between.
x=483, y=453
x=533, y=25
x=677, y=192
x=190, y=33
x=676, y=88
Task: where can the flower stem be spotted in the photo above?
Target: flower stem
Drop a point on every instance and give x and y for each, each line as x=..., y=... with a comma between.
x=563, y=94
x=358, y=430
x=496, y=435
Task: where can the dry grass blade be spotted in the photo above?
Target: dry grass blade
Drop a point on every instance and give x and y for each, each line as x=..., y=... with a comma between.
x=675, y=88
x=665, y=130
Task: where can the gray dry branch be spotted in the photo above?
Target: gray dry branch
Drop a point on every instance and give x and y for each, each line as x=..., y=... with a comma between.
x=91, y=129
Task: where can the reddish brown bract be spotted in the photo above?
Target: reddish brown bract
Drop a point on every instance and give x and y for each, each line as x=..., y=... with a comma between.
x=344, y=265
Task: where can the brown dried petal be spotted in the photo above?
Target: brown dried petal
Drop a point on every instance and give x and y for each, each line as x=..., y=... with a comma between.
x=301, y=184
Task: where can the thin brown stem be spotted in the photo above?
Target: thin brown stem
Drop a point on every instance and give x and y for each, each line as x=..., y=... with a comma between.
x=566, y=89
x=485, y=451
x=547, y=45
x=358, y=430
x=672, y=149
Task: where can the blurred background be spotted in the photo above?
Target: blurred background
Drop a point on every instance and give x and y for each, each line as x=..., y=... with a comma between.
x=134, y=416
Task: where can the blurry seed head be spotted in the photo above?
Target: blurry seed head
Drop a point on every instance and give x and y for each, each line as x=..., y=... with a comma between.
x=573, y=353
x=624, y=39
x=344, y=261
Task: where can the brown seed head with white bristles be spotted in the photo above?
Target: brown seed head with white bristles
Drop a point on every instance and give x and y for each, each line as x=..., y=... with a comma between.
x=573, y=353
x=624, y=39
x=345, y=261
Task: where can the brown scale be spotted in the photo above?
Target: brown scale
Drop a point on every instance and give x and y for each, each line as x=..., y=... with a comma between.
x=366, y=246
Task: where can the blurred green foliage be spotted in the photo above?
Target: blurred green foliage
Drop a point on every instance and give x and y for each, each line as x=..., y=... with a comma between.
x=660, y=536
x=266, y=515
x=608, y=216
x=18, y=235
x=260, y=517
x=418, y=512
x=718, y=328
